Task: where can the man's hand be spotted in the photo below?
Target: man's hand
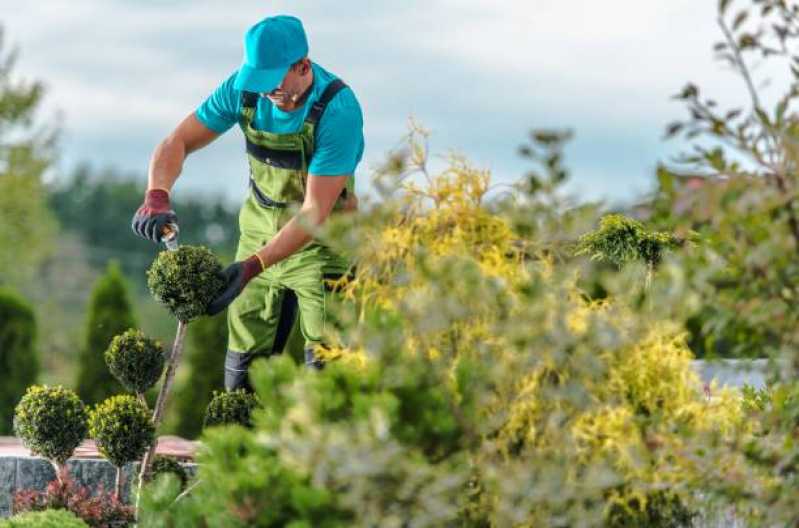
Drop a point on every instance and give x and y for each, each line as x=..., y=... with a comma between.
x=153, y=215
x=236, y=277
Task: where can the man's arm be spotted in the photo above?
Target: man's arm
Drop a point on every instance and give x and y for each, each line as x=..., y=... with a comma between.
x=168, y=157
x=320, y=197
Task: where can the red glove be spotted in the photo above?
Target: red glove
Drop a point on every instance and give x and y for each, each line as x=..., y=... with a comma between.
x=153, y=215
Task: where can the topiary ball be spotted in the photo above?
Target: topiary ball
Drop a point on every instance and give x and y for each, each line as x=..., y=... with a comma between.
x=166, y=464
x=51, y=421
x=122, y=429
x=186, y=280
x=135, y=360
x=234, y=407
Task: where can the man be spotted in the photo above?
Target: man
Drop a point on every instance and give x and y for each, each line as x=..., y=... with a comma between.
x=304, y=138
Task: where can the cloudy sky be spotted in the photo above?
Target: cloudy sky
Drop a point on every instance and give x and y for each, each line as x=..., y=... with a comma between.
x=478, y=73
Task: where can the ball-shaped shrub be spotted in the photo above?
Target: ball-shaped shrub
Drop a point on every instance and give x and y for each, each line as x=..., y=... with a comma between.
x=167, y=464
x=186, y=280
x=122, y=429
x=135, y=360
x=51, y=421
x=233, y=407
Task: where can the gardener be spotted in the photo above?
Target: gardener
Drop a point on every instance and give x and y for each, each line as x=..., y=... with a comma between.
x=304, y=138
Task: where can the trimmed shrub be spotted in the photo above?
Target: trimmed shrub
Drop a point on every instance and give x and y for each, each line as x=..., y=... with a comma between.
x=620, y=239
x=207, y=341
x=166, y=464
x=122, y=428
x=186, y=280
x=135, y=360
x=17, y=355
x=234, y=407
x=51, y=421
x=110, y=314
x=44, y=519
x=98, y=509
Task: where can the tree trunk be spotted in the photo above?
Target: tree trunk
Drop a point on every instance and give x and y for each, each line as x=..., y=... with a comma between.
x=163, y=395
x=118, y=484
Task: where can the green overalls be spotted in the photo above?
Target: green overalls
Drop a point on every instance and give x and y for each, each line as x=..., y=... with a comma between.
x=261, y=318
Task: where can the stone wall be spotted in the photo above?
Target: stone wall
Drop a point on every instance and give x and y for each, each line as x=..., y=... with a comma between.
x=25, y=472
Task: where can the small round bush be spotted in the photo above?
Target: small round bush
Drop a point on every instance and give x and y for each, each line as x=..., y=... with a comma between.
x=51, y=421
x=186, y=280
x=167, y=464
x=234, y=407
x=135, y=360
x=122, y=428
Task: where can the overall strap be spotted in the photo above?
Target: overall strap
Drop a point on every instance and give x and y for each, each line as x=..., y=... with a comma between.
x=318, y=108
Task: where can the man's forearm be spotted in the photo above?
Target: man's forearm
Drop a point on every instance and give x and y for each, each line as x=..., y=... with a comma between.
x=166, y=164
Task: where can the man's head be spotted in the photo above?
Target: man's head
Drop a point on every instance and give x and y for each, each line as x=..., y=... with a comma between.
x=275, y=56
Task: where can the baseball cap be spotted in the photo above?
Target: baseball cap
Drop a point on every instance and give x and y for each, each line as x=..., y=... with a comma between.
x=270, y=48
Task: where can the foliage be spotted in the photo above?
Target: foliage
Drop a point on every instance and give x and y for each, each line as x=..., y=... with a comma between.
x=166, y=464
x=44, y=519
x=231, y=407
x=135, y=360
x=736, y=186
x=97, y=508
x=51, y=421
x=110, y=314
x=207, y=341
x=26, y=151
x=442, y=404
x=122, y=429
x=620, y=239
x=185, y=281
x=17, y=353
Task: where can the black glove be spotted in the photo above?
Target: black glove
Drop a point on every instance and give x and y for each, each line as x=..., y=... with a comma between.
x=236, y=277
x=153, y=215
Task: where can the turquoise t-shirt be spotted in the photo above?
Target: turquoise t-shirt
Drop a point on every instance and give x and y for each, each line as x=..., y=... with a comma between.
x=339, y=134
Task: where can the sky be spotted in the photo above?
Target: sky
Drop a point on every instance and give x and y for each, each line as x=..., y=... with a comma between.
x=479, y=74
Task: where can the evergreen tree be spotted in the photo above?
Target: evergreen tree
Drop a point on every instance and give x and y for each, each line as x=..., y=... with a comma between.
x=17, y=355
x=110, y=313
x=26, y=151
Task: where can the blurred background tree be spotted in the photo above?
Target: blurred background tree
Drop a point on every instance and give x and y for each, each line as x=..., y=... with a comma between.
x=110, y=314
x=18, y=357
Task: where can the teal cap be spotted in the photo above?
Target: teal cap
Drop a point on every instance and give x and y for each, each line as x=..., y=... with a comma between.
x=270, y=48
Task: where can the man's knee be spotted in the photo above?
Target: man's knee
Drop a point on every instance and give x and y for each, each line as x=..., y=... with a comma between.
x=237, y=364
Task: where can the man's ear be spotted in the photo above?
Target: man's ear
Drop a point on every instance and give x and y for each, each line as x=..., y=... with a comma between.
x=305, y=66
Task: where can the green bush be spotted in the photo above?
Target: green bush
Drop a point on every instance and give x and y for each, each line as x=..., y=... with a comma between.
x=207, y=342
x=17, y=354
x=620, y=240
x=166, y=464
x=110, y=314
x=135, y=360
x=122, y=428
x=44, y=519
x=234, y=407
x=51, y=421
x=186, y=280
